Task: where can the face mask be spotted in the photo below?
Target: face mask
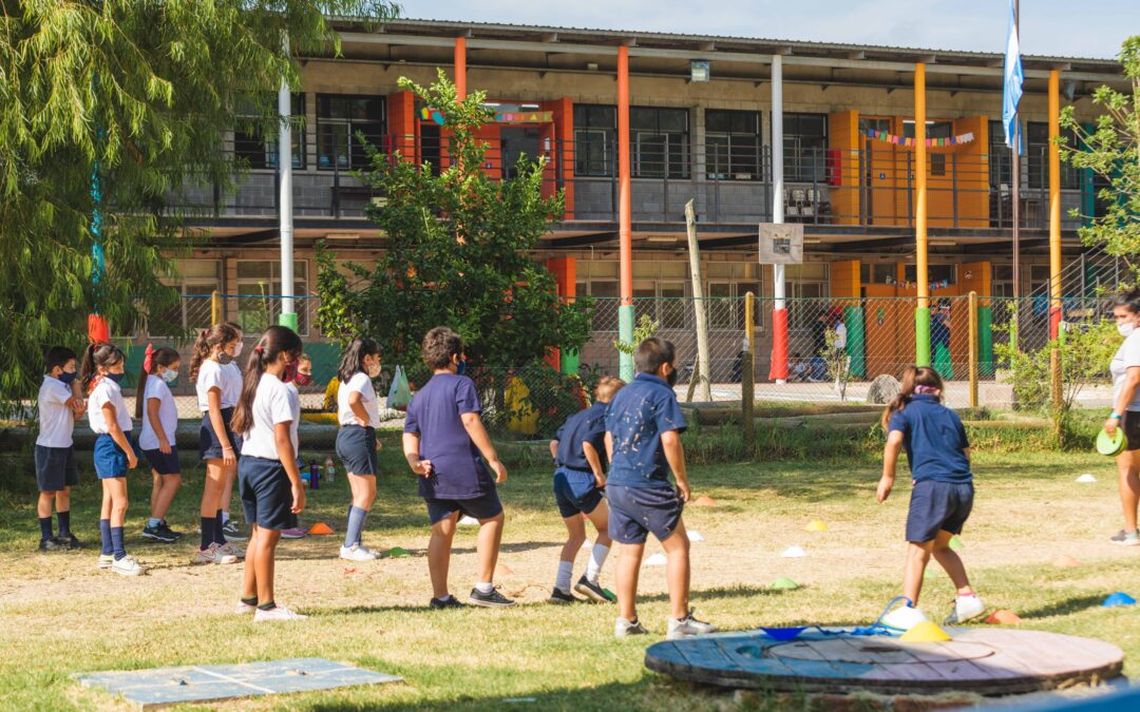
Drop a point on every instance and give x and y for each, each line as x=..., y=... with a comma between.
x=224, y=358
x=461, y=369
x=170, y=376
x=66, y=377
x=290, y=373
x=303, y=379
x=115, y=377
x=237, y=349
x=672, y=377
x=1126, y=329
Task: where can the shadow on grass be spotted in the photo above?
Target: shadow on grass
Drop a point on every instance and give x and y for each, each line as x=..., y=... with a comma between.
x=1065, y=607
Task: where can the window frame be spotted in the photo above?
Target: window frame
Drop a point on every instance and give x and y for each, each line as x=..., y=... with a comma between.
x=796, y=169
x=261, y=152
x=351, y=126
x=731, y=170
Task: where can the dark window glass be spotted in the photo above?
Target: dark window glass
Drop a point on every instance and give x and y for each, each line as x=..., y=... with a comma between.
x=732, y=145
x=341, y=122
x=805, y=143
x=594, y=140
x=250, y=134
x=1037, y=158
x=660, y=142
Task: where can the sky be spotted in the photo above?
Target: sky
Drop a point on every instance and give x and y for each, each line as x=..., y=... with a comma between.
x=1069, y=28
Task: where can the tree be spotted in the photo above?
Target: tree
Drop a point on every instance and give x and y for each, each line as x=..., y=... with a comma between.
x=1112, y=149
x=139, y=95
x=457, y=255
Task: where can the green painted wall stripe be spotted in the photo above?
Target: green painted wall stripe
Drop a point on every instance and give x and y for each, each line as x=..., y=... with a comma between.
x=856, y=340
x=922, y=336
x=985, y=341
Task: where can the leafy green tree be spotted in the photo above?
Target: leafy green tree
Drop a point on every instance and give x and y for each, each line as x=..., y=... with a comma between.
x=1112, y=149
x=457, y=255
x=138, y=94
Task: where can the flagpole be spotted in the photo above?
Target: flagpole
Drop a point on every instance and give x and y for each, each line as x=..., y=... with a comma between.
x=1016, y=177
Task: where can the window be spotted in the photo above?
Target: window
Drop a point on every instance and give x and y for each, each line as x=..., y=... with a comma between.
x=1037, y=160
x=197, y=280
x=660, y=142
x=259, y=284
x=936, y=165
x=935, y=273
x=251, y=144
x=732, y=145
x=341, y=118
x=805, y=140
x=1001, y=160
x=878, y=272
x=595, y=135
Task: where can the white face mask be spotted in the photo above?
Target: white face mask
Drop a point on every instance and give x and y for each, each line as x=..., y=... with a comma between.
x=1126, y=329
x=237, y=349
x=170, y=376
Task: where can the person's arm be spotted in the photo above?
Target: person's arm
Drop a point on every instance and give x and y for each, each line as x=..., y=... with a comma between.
x=117, y=434
x=288, y=457
x=595, y=463
x=152, y=407
x=356, y=404
x=214, y=399
x=609, y=447
x=419, y=465
x=473, y=424
x=675, y=456
x=890, y=462
x=554, y=449
x=1131, y=381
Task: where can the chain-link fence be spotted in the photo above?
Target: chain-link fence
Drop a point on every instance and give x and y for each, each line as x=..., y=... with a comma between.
x=836, y=349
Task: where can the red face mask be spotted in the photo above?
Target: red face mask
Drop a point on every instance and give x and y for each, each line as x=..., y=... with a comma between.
x=303, y=379
x=290, y=373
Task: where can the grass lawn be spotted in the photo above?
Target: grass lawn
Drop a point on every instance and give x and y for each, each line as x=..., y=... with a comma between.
x=59, y=615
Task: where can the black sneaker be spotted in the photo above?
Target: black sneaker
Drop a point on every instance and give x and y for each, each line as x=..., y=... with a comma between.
x=158, y=534
x=558, y=597
x=52, y=544
x=594, y=592
x=165, y=528
x=231, y=530
x=442, y=603
x=494, y=599
x=70, y=541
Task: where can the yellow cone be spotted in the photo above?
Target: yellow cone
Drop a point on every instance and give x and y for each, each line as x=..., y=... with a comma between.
x=816, y=525
x=925, y=632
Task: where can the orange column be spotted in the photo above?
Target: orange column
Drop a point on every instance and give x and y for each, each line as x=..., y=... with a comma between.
x=402, y=124
x=625, y=219
x=461, y=68
x=1054, y=204
x=843, y=176
x=562, y=151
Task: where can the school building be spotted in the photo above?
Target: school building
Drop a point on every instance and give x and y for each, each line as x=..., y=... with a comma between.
x=700, y=128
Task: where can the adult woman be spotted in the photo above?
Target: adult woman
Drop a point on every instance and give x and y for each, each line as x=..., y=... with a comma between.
x=1125, y=369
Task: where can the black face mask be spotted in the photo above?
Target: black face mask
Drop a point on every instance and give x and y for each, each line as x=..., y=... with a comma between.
x=672, y=377
x=225, y=358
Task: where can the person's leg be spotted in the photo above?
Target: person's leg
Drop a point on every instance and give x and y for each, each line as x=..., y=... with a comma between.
x=249, y=574
x=949, y=560
x=105, y=520
x=169, y=487
x=676, y=547
x=628, y=569
x=439, y=554
x=363, y=495
x=211, y=500
x=117, y=487
x=227, y=493
x=575, y=537
x=266, y=559
x=43, y=513
x=917, y=556
x=63, y=511
x=487, y=546
x=600, y=518
x=1127, y=467
x=155, y=491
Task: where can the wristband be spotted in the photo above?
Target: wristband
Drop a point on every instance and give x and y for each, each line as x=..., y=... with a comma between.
x=1115, y=416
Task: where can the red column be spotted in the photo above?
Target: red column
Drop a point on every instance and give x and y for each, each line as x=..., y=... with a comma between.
x=562, y=149
x=461, y=68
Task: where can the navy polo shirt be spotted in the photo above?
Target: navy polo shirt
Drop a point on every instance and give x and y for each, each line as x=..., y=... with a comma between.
x=585, y=426
x=434, y=414
x=935, y=440
x=637, y=416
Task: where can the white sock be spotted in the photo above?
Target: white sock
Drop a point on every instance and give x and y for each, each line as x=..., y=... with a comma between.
x=597, y=557
x=225, y=517
x=565, y=571
x=484, y=587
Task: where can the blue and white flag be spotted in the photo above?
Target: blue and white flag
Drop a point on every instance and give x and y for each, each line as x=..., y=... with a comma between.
x=1014, y=78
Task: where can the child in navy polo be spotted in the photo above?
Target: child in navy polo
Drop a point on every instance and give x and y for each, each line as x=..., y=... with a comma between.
x=643, y=431
x=580, y=458
x=55, y=461
x=938, y=454
x=443, y=440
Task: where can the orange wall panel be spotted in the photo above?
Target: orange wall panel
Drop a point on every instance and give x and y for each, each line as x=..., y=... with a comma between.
x=843, y=137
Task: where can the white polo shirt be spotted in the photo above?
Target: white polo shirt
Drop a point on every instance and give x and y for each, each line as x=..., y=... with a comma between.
x=57, y=422
x=362, y=384
x=107, y=391
x=156, y=389
x=274, y=403
x=212, y=374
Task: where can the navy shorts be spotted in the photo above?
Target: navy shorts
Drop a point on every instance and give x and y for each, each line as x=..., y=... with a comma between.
x=356, y=448
x=637, y=511
x=938, y=506
x=576, y=492
x=164, y=463
x=209, y=447
x=110, y=460
x=1130, y=423
x=483, y=507
x=266, y=495
x=55, y=468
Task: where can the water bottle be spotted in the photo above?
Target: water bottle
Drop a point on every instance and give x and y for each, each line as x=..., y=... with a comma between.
x=330, y=469
x=314, y=476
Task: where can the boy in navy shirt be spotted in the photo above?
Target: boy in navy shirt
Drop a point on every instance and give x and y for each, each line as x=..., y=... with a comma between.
x=938, y=454
x=443, y=440
x=643, y=434
x=579, y=452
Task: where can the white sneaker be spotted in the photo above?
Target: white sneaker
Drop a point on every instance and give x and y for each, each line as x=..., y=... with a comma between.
x=902, y=619
x=106, y=561
x=687, y=627
x=356, y=552
x=127, y=566
x=965, y=608
x=213, y=555
x=625, y=629
x=233, y=550
x=244, y=609
x=280, y=613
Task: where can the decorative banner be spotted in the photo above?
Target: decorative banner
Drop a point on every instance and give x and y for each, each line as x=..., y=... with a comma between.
x=501, y=117
x=941, y=284
x=897, y=140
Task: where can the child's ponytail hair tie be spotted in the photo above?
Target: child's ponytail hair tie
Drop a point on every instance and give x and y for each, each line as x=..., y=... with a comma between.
x=926, y=390
x=259, y=350
x=148, y=359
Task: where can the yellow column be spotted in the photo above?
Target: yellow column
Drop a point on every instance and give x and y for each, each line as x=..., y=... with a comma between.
x=922, y=308
x=1054, y=203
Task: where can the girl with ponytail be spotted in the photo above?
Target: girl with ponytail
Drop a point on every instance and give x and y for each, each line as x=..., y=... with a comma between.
x=269, y=482
x=156, y=439
x=103, y=370
x=218, y=384
x=942, y=495
x=359, y=416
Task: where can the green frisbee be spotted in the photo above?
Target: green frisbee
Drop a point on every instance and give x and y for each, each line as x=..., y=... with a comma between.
x=1110, y=445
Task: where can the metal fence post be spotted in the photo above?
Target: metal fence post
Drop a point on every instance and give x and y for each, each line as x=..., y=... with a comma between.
x=216, y=315
x=747, y=374
x=973, y=348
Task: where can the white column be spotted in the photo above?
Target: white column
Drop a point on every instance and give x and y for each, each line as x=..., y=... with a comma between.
x=285, y=203
x=778, y=168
